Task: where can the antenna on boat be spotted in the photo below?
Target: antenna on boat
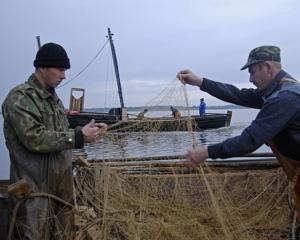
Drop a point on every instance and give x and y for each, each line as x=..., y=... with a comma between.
x=113, y=52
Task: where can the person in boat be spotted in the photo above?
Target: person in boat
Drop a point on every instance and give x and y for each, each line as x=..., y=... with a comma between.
x=277, y=124
x=141, y=115
x=175, y=112
x=39, y=142
x=202, y=107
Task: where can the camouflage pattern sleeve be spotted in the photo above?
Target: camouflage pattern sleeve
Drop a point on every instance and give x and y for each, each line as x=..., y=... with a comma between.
x=37, y=126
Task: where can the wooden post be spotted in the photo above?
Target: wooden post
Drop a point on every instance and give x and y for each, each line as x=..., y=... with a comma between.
x=77, y=104
x=124, y=115
x=113, y=52
x=38, y=41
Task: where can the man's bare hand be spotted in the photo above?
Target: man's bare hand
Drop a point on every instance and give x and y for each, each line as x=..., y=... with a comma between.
x=90, y=131
x=196, y=156
x=188, y=77
x=102, y=127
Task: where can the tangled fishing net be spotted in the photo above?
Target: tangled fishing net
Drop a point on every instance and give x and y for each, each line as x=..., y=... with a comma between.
x=205, y=204
x=152, y=197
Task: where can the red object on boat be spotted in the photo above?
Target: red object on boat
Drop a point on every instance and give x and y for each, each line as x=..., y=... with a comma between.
x=73, y=112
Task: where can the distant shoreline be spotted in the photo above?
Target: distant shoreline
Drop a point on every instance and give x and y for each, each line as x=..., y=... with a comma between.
x=166, y=108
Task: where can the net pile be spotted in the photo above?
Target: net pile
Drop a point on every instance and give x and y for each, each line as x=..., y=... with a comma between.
x=204, y=204
x=150, y=197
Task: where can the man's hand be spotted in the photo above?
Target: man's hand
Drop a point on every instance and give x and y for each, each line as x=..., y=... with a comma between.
x=90, y=131
x=188, y=77
x=196, y=156
x=102, y=127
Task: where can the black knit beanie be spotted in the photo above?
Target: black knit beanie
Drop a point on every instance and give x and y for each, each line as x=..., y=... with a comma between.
x=51, y=55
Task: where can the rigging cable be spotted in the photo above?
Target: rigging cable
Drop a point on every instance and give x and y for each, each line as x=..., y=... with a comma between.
x=93, y=59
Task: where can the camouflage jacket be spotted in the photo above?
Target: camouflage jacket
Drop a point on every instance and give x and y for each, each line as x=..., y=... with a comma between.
x=39, y=141
x=36, y=119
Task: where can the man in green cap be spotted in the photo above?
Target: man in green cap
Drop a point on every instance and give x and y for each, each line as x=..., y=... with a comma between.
x=39, y=141
x=277, y=95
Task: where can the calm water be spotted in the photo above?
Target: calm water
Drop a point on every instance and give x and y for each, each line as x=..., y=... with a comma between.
x=151, y=144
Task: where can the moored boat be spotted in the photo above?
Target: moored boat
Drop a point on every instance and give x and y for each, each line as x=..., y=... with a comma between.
x=160, y=124
x=165, y=124
x=118, y=119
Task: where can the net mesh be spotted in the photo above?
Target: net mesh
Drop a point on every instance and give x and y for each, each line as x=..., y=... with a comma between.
x=155, y=197
x=205, y=204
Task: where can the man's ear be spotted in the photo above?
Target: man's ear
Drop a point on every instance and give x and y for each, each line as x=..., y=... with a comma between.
x=41, y=69
x=268, y=65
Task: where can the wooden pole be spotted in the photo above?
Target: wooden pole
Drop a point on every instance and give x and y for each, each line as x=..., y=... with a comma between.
x=116, y=67
x=173, y=157
x=38, y=40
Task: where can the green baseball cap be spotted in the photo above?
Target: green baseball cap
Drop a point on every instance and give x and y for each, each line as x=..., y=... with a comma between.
x=261, y=54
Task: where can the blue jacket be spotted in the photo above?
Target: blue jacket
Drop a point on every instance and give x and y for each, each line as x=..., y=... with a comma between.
x=278, y=119
x=202, y=108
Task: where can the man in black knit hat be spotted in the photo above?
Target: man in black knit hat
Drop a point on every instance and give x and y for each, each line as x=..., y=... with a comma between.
x=39, y=141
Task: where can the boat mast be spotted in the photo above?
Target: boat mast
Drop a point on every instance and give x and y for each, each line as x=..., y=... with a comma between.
x=113, y=52
x=38, y=40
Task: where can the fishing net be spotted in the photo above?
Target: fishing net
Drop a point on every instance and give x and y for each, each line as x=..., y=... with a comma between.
x=178, y=203
x=151, y=196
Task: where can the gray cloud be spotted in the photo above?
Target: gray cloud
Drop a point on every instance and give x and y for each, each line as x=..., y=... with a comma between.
x=153, y=39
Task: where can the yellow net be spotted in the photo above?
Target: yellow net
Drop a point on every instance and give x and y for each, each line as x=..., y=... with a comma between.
x=206, y=204
x=157, y=197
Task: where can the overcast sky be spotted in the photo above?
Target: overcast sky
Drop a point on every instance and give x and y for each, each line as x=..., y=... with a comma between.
x=153, y=39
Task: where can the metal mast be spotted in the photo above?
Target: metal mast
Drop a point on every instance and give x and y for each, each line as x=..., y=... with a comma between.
x=113, y=52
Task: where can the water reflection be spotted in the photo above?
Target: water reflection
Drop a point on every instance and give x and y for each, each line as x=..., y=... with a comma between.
x=203, y=138
x=147, y=144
